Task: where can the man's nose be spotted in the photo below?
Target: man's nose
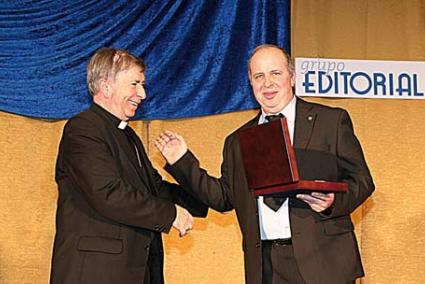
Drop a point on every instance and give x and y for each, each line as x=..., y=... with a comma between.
x=268, y=81
x=141, y=92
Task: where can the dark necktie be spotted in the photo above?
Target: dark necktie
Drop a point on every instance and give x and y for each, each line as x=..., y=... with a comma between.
x=274, y=202
x=273, y=117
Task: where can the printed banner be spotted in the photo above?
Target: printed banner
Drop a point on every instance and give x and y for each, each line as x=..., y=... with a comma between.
x=342, y=78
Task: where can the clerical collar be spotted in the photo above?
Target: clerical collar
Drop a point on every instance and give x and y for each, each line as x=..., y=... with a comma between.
x=122, y=125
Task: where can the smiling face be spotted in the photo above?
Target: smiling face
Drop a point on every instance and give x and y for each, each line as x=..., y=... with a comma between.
x=271, y=79
x=125, y=93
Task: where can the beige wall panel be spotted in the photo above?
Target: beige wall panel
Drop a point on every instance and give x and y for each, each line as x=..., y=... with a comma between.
x=328, y=29
x=359, y=29
x=395, y=30
x=393, y=240
x=27, y=198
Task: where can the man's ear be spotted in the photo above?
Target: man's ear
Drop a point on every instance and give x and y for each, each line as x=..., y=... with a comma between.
x=293, y=77
x=104, y=88
x=249, y=78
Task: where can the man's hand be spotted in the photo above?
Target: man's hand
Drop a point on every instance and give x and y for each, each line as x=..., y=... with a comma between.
x=183, y=222
x=318, y=201
x=171, y=145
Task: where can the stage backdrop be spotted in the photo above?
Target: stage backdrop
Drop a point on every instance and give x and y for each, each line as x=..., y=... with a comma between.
x=195, y=51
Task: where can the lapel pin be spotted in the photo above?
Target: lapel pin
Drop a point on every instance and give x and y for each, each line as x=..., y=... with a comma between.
x=309, y=118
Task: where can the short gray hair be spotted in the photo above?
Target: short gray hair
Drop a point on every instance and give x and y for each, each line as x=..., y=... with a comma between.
x=106, y=63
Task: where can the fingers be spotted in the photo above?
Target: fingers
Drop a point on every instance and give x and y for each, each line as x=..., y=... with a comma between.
x=184, y=232
x=167, y=136
x=183, y=221
x=318, y=201
x=170, y=134
x=316, y=197
x=162, y=140
x=319, y=195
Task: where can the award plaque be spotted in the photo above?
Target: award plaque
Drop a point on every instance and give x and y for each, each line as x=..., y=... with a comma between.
x=270, y=163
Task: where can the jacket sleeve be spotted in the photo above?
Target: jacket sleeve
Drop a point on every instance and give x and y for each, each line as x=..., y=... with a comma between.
x=352, y=167
x=88, y=160
x=174, y=193
x=212, y=191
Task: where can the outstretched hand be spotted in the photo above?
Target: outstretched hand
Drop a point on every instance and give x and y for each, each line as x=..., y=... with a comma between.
x=171, y=145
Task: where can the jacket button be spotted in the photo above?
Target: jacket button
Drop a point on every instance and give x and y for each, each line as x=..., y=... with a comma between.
x=257, y=245
x=147, y=247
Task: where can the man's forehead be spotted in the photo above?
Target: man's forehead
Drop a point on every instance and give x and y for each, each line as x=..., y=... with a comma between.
x=268, y=57
x=134, y=72
x=268, y=52
x=268, y=66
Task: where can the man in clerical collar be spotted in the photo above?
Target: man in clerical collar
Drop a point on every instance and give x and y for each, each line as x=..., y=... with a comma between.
x=113, y=205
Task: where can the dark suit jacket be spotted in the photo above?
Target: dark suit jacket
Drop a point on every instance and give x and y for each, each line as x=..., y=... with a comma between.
x=324, y=245
x=110, y=211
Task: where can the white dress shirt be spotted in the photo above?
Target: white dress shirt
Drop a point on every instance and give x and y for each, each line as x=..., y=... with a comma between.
x=276, y=224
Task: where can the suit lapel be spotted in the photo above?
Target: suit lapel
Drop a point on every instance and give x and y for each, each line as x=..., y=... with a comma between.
x=130, y=152
x=147, y=168
x=127, y=147
x=304, y=122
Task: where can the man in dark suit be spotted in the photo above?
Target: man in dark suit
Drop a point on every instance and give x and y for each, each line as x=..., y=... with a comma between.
x=304, y=238
x=113, y=205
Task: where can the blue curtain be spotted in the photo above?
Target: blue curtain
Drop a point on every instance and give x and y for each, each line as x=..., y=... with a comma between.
x=196, y=52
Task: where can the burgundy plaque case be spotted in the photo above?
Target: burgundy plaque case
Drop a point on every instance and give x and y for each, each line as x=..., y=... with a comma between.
x=270, y=162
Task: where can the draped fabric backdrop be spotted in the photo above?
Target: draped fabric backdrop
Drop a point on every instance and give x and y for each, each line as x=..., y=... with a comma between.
x=196, y=52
